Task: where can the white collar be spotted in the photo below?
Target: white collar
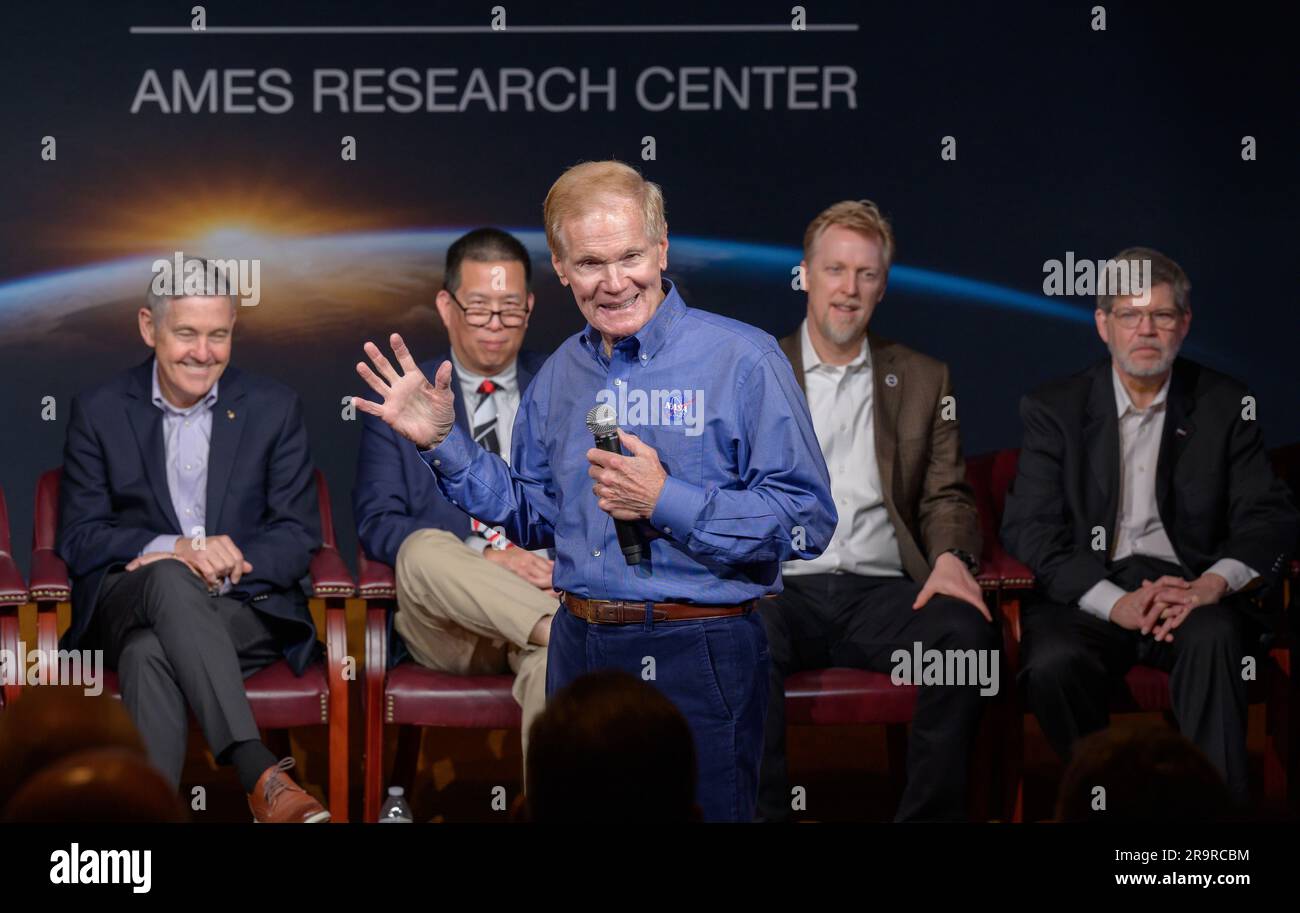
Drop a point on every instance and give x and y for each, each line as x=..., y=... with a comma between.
x=504, y=379
x=1124, y=402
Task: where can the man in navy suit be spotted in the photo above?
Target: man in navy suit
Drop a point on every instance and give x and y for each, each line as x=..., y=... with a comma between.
x=188, y=517
x=468, y=601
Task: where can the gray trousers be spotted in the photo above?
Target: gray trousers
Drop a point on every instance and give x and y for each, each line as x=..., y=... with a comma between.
x=173, y=645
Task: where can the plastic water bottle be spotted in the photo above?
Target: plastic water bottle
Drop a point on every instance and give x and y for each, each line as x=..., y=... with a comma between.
x=395, y=810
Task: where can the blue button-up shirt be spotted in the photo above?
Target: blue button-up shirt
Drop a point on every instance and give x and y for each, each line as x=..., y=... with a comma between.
x=747, y=487
x=187, y=437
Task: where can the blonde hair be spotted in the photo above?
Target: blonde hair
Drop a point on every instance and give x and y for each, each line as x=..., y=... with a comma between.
x=574, y=191
x=862, y=216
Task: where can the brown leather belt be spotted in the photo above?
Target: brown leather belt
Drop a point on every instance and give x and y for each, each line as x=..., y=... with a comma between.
x=619, y=612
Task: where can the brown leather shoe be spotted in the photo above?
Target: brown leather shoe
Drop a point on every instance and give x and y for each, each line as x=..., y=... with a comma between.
x=276, y=799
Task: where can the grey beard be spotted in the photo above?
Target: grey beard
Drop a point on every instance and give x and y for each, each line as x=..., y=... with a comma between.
x=841, y=336
x=1134, y=370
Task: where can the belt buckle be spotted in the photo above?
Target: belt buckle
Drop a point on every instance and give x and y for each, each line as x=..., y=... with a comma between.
x=620, y=608
x=598, y=611
x=609, y=611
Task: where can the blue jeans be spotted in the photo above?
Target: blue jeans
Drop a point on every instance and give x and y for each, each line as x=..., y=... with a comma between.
x=715, y=672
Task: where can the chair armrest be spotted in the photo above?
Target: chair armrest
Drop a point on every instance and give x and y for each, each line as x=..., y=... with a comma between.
x=13, y=592
x=378, y=581
x=336, y=640
x=1011, y=574
x=376, y=657
x=336, y=651
x=9, y=685
x=49, y=577
x=329, y=575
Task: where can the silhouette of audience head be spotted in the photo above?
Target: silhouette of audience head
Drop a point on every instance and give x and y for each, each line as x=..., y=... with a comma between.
x=610, y=747
x=1151, y=774
x=99, y=784
x=69, y=756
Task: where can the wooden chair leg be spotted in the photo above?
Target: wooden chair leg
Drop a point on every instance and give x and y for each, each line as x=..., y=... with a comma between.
x=374, y=764
x=47, y=635
x=337, y=685
x=9, y=641
x=375, y=709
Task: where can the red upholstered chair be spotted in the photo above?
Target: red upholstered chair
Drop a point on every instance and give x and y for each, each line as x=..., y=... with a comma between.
x=1146, y=690
x=13, y=595
x=280, y=699
x=411, y=696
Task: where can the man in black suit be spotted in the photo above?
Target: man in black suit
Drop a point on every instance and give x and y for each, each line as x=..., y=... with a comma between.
x=1146, y=507
x=188, y=517
x=468, y=601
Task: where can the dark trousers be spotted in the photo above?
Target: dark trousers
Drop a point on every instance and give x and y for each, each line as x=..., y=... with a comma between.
x=174, y=645
x=1071, y=661
x=714, y=671
x=826, y=620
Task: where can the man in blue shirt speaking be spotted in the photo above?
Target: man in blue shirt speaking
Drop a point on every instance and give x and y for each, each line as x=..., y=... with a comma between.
x=722, y=477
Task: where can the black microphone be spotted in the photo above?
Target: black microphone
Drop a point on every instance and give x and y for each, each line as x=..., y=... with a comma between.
x=602, y=422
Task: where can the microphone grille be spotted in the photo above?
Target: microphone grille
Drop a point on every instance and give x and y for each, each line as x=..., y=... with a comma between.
x=602, y=419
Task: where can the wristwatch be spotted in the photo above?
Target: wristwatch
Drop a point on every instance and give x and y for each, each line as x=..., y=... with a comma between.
x=972, y=563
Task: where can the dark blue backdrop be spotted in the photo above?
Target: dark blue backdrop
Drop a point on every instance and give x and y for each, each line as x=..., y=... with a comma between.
x=1068, y=139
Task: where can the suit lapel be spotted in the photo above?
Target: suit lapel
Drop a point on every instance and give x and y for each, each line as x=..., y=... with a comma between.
x=1101, y=432
x=887, y=400
x=1173, y=440
x=228, y=420
x=147, y=425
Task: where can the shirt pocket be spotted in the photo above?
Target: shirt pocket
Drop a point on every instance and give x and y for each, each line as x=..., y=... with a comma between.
x=680, y=453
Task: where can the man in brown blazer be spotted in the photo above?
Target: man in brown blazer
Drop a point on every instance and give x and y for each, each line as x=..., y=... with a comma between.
x=895, y=591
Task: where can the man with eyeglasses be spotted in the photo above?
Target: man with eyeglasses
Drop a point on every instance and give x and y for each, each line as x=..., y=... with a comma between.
x=469, y=601
x=1147, y=509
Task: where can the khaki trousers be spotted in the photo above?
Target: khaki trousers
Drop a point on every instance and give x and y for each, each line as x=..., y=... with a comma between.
x=462, y=614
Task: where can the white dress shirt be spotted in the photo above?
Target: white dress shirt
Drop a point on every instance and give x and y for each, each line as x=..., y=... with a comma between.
x=507, y=398
x=1138, y=528
x=840, y=399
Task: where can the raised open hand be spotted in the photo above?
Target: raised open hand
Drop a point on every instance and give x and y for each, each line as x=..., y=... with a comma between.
x=419, y=411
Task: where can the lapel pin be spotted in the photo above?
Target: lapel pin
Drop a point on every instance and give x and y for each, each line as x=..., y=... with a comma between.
x=230, y=414
x=891, y=380
x=1181, y=432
